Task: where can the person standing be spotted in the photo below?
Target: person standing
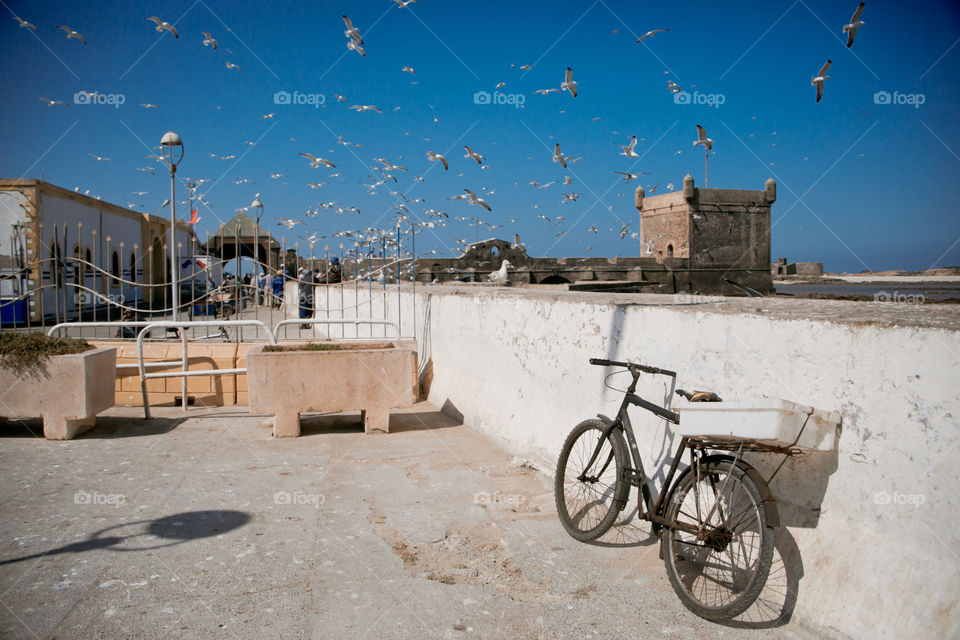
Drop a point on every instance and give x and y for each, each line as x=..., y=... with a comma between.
x=305, y=285
x=334, y=273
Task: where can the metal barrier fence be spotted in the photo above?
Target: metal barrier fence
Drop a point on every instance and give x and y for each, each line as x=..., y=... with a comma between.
x=79, y=306
x=99, y=280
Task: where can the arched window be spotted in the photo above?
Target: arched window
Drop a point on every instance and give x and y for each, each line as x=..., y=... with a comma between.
x=77, y=255
x=56, y=264
x=115, y=269
x=133, y=266
x=669, y=250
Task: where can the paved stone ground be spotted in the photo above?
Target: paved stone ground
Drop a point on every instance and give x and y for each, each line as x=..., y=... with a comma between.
x=203, y=526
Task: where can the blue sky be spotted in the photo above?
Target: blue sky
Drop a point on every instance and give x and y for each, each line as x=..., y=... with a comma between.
x=861, y=184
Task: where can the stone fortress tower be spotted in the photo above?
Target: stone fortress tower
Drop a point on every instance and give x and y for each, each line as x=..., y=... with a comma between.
x=712, y=235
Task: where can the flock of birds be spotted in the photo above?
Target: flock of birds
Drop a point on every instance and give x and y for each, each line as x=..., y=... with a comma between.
x=384, y=173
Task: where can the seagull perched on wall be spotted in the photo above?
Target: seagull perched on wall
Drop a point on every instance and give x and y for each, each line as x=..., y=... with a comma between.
x=500, y=277
x=820, y=77
x=161, y=25
x=851, y=29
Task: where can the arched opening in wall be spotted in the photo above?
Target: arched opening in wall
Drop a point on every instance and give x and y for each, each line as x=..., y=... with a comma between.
x=76, y=263
x=133, y=267
x=554, y=279
x=669, y=250
x=494, y=251
x=56, y=264
x=115, y=269
x=157, y=270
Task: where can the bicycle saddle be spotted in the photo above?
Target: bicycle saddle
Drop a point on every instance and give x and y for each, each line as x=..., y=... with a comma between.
x=699, y=396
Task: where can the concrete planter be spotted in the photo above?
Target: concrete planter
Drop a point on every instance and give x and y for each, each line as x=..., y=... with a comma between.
x=68, y=392
x=360, y=377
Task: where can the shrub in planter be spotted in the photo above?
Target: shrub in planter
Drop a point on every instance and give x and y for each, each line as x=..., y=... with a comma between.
x=64, y=381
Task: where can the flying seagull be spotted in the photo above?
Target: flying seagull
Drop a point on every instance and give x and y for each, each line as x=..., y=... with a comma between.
x=351, y=31
x=288, y=223
x=99, y=158
x=650, y=34
x=209, y=40
x=366, y=107
x=316, y=162
x=475, y=199
x=51, y=103
x=820, y=77
x=161, y=25
x=73, y=34
x=703, y=139
x=356, y=45
x=628, y=149
x=627, y=177
x=230, y=65
x=558, y=157
x=433, y=157
x=851, y=29
x=24, y=23
x=473, y=154
x=568, y=84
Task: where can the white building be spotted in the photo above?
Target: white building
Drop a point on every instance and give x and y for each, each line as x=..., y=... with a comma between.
x=63, y=253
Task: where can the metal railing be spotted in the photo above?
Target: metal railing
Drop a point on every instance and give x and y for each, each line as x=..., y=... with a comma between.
x=354, y=321
x=184, y=362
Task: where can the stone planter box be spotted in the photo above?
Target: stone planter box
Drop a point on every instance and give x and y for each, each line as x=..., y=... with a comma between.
x=68, y=392
x=360, y=377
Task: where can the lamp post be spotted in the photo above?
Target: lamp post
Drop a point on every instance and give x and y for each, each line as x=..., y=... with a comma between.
x=257, y=207
x=169, y=145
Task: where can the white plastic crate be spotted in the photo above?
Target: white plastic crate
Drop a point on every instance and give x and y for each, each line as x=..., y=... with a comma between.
x=774, y=422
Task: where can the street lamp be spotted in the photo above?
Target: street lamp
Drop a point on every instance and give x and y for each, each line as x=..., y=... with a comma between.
x=169, y=145
x=257, y=207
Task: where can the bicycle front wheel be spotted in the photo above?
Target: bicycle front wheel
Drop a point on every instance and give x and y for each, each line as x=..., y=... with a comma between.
x=588, y=486
x=719, y=551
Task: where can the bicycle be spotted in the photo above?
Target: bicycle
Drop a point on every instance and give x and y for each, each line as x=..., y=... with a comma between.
x=715, y=522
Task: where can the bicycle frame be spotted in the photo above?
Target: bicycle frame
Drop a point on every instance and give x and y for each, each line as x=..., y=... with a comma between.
x=636, y=476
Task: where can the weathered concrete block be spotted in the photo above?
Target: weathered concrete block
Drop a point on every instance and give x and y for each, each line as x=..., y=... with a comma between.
x=371, y=380
x=67, y=392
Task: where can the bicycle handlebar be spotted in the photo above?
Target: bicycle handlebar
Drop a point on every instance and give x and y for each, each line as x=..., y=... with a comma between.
x=603, y=362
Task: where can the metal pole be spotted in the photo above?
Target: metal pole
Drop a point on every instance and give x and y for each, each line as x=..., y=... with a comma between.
x=343, y=271
x=173, y=265
x=706, y=166
x=413, y=278
x=399, y=313
x=93, y=259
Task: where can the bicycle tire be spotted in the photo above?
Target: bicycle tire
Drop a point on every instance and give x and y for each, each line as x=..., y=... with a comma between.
x=719, y=573
x=588, y=508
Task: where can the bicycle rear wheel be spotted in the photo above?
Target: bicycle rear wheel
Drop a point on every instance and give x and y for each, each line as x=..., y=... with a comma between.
x=719, y=555
x=588, y=486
